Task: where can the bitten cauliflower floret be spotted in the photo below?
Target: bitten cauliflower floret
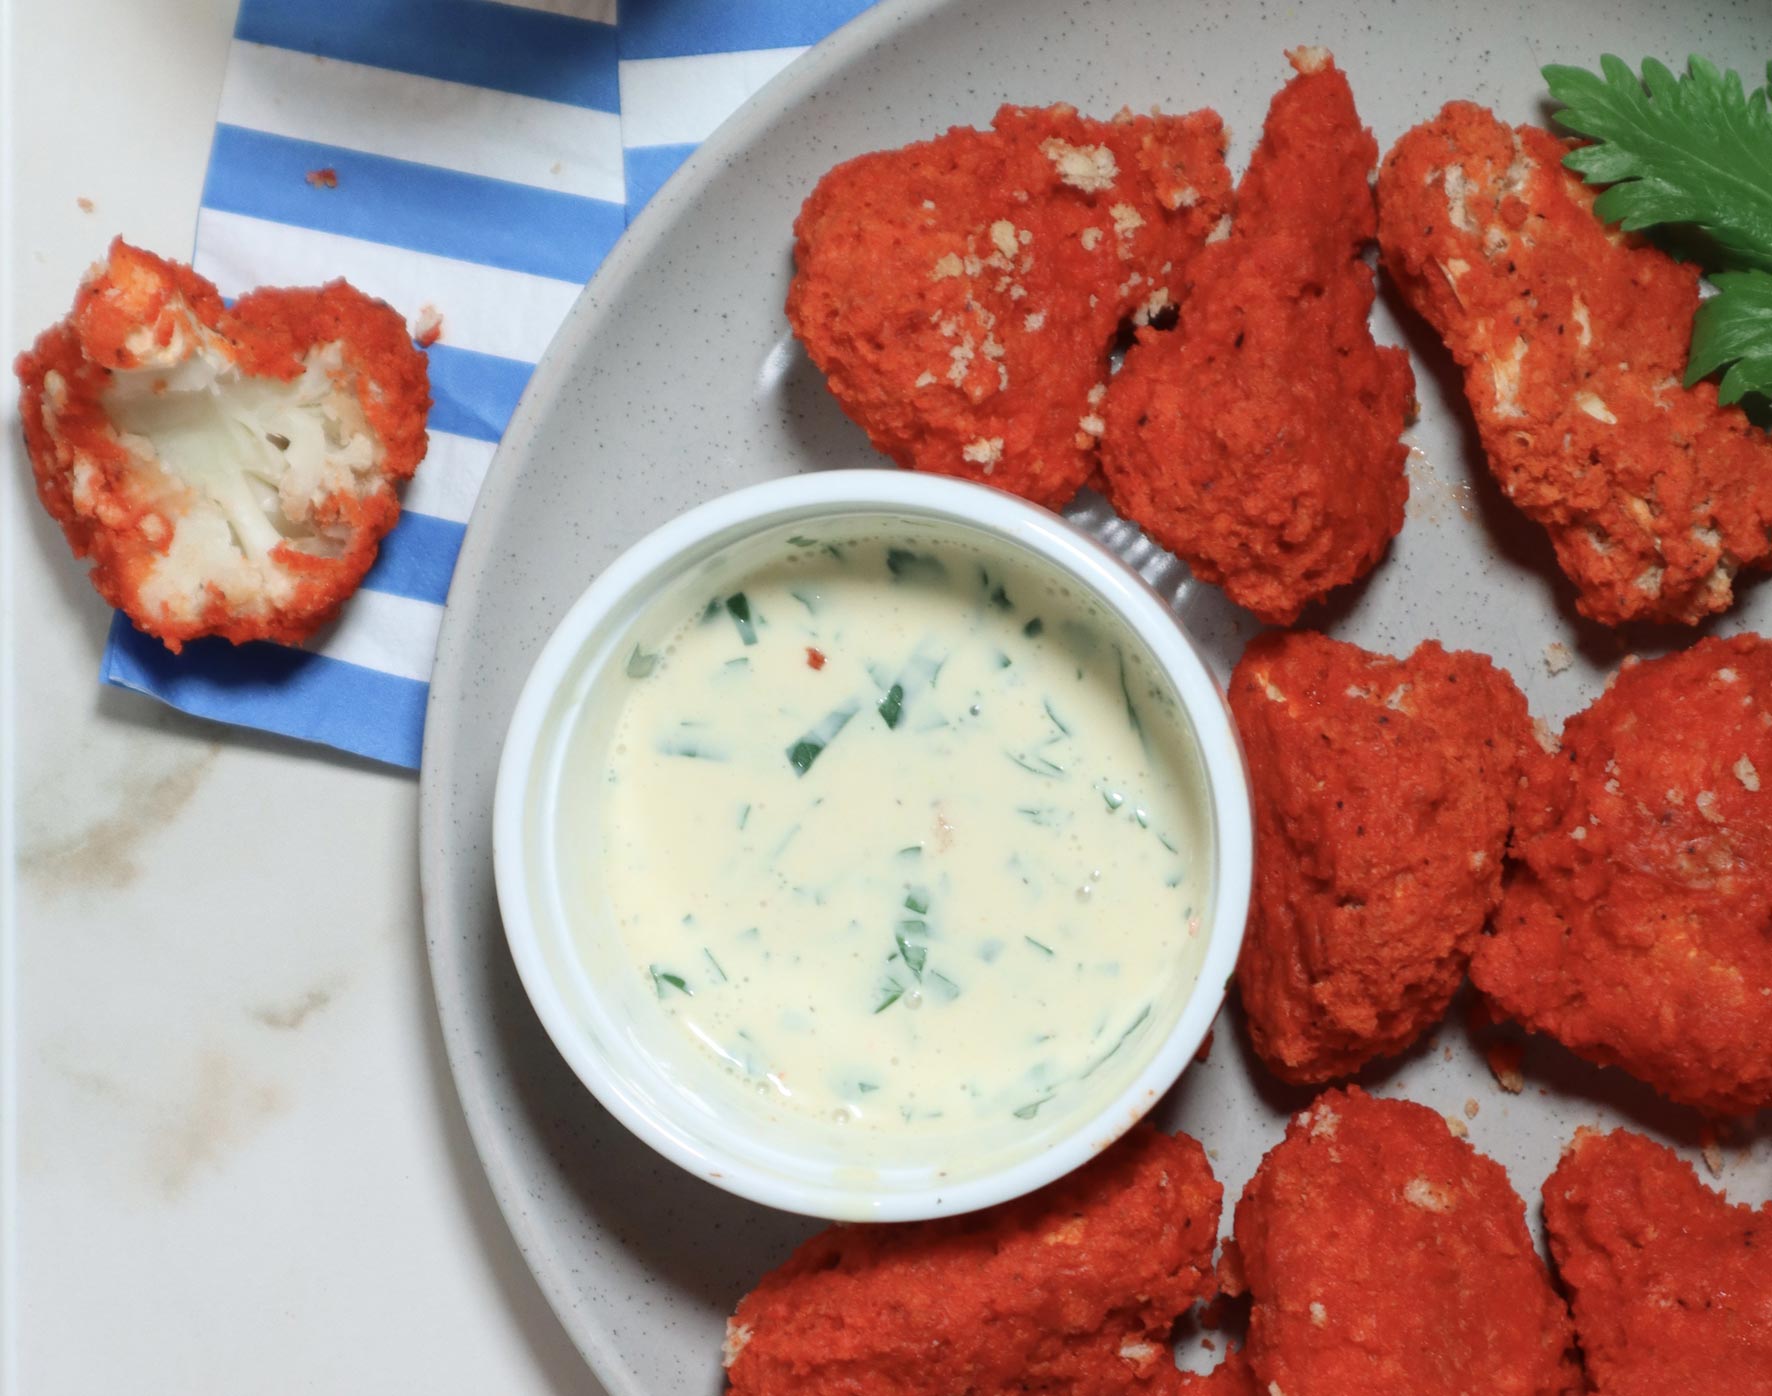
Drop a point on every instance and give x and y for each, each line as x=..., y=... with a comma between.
x=230, y=471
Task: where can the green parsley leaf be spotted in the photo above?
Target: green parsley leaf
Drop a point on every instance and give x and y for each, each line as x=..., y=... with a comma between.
x=1734, y=328
x=640, y=663
x=1686, y=152
x=738, y=606
x=1693, y=149
x=892, y=705
x=660, y=978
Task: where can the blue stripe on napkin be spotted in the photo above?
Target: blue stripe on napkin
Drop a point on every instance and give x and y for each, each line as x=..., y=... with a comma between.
x=417, y=558
x=647, y=168
x=687, y=64
x=474, y=394
x=676, y=28
x=505, y=47
x=287, y=691
x=419, y=207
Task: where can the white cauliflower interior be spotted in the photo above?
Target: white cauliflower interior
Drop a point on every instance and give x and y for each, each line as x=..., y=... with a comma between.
x=239, y=463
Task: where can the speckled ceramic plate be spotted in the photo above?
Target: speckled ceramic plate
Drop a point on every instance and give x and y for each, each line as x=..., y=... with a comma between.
x=675, y=379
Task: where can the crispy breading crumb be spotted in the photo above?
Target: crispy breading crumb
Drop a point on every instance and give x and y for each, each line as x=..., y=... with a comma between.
x=1747, y=773
x=326, y=178
x=1710, y=1146
x=85, y=204
x=985, y=451
x=1470, y=1108
x=1127, y=220
x=1091, y=168
x=427, y=326
x=1504, y=1058
x=1557, y=657
x=1458, y=1127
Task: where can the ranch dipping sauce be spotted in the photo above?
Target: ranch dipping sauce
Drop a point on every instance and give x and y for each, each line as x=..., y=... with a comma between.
x=901, y=834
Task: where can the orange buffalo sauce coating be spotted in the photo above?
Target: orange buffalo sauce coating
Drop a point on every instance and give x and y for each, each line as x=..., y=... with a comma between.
x=1387, y=1258
x=962, y=294
x=1072, y=1289
x=1636, y=926
x=1573, y=339
x=1671, y=1285
x=1383, y=792
x=1258, y=440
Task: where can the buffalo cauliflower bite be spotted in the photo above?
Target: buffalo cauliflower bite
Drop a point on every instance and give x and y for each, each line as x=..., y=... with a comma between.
x=230, y=471
x=1636, y=925
x=1671, y=1285
x=1259, y=439
x=1387, y=1258
x=962, y=295
x=1072, y=1289
x=1573, y=340
x=1383, y=793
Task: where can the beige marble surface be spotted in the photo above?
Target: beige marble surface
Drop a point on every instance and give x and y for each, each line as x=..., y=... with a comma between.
x=239, y=1165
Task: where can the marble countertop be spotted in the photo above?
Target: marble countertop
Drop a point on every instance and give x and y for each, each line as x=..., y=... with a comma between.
x=234, y=1157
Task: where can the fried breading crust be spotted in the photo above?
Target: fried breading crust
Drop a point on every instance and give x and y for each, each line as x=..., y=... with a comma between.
x=1387, y=1258
x=962, y=294
x=1573, y=339
x=1671, y=1286
x=1636, y=925
x=1259, y=439
x=1382, y=792
x=134, y=513
x=1072, y=1289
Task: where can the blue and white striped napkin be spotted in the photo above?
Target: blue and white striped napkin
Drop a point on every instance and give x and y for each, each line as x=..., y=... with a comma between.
x=486, y=155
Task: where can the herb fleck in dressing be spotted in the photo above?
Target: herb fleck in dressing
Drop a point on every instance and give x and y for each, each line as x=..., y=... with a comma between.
x=889, y=831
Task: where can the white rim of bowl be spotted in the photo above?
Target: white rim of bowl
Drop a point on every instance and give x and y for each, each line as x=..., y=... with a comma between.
x=1057, y=544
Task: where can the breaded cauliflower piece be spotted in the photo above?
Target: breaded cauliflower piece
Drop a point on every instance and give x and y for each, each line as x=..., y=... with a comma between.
x=1071, y=1289
x=230, y=471
x=1636, y=925
x=1383, y=793
x=1573, y=339
x=1259, y=440
x=963, y=294
x=1386, y=1258
x=1671, y=1286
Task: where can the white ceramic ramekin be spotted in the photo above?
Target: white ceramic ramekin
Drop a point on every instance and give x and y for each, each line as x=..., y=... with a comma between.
x=579, y=998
